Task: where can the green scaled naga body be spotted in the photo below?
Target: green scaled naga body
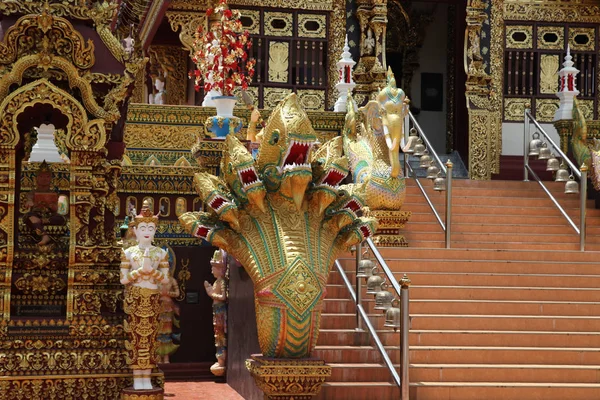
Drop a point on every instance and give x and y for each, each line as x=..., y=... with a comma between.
x=285, y=218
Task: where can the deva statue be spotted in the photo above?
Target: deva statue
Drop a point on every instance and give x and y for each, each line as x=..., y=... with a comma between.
x=285, y=218
x=218, y=293
x=144, y=268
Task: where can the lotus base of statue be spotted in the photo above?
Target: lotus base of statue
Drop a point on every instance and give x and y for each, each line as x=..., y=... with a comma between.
x=388, y=232
x=148, y=394
x=288, y=378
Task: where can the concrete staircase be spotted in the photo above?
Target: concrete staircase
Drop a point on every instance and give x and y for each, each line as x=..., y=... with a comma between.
x=512, y=311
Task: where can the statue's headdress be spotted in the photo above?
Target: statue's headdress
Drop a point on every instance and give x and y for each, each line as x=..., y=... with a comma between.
x=145, y=215
x=44, y=167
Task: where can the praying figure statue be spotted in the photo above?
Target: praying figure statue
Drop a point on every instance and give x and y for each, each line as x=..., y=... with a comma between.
x=218, y=292
x=143, y=268
x=369, y=43
x=44, y=206
x=159, y=96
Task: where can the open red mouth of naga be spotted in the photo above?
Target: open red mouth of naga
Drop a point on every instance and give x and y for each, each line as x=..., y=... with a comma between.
x=353, y=206
x=202, y=231
x=248, y=177
x=333, y=177
x=366, y=231
x=297, y=155
x=217, y=202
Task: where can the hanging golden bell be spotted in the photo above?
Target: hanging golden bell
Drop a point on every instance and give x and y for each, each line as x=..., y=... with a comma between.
x=571, y=187
x=544, y=153
x=419, y=148
x=432, y=171
x=439, y=184
x=392, y=316
x=383, y=298
x=552, y=164
x=535, y=144
x=374, y=282
x=562, y=175
x=425, y=160
x=365, y=268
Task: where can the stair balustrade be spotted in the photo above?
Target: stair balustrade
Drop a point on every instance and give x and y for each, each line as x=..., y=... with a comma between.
x=440, y=183
x=579, y=173
x=362, y=318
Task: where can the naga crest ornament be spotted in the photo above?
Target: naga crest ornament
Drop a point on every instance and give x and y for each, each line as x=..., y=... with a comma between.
x=285, y=218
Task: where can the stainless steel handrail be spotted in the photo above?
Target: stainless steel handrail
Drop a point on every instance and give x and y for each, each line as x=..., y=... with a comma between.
x=446, y=169
x=581, y=174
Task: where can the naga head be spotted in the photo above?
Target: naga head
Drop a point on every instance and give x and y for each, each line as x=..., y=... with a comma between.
x=217, y=197
x=238, y=170
x=329, y=168
x=285, y=150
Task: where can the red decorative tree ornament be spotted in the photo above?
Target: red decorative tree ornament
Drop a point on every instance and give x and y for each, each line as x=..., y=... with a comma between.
x=220, y=54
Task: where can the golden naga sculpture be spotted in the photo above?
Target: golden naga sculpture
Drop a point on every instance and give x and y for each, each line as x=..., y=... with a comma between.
x=372, y=143
x=285, y=218
x=143, y=268
x=585, y=153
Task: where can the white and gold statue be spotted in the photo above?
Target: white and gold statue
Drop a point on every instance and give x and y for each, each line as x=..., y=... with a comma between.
x=143, y=268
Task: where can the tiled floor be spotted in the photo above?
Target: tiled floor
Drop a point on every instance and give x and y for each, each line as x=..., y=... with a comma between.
x=200, y=391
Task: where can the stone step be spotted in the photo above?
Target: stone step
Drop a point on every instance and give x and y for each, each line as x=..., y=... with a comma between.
x=439, y=199
x=541, y=228
x=501, y=390
x=483, y=209
x=358, y=391
x=525, y=373
x=497, y=355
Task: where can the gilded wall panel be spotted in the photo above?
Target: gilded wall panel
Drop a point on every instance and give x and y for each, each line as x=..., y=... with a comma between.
x=253, y=17
x=551, y=11
x=550, y=37
x=279, y=62
x=313, y=100
x=147, y=136
x=252, y=91
x=278, y=24
x=582, y=39
x=514, y=108
x=272, y=96
x=545, y=109
x=519, y=36
x=312, y=26
x=549, y=65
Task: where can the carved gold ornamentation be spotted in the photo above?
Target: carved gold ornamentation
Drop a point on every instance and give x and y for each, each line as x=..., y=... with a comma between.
x=335, y=44
x=313, y=100
x=589, y=33
x=305, y=20
x=187, y=22
x=484, y=91
x=321, y=5
x=544, y=44
x=288, y=379
x=514, y=108
x=252, y=91
x=40, y=284
x=548, y=73
x=545, y=109
x=145, y=136
x=254, y=16
x=272, y=96
x=279, y=66
x=272, y=29
x=551, y=11
x=514, y=31
x=390, y=224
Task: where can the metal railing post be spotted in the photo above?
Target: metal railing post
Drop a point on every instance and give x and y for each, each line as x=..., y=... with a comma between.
x=359, y=322
x=526, y=145
x=582, y=206
x=404, y=350
x=449, y=166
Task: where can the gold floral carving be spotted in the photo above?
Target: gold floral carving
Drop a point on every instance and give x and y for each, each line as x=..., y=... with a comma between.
x=279, y=56
x=543, y=44
x=44, y=33
x=271, y=30
x=320, y=20
x=335, y=44
x=311, y=99
x=590, y=33
x=514, y=108
x=187, y=22
x=288, y=378
x=40, y=284
x=172, y=61
x=551, y=11
x=484, y=127
x=144, y=136
x=272, y=96
x=322, y=5
x=100, y=13
x=526, y=30
x=548, y=73
x=254, y=17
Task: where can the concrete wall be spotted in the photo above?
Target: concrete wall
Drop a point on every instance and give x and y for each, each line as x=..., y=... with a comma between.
x=432, y=58
x=512, y=137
